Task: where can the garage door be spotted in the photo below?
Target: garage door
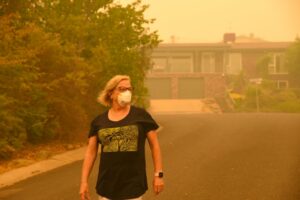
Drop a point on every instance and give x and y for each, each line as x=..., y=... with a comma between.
x=159, y=88
x=190, y=88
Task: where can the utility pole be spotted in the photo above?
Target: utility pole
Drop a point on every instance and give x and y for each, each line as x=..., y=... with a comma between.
x=257, y=99
x=257, y=82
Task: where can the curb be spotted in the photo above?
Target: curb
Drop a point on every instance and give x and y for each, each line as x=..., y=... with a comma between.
x=22, y=173
x=17, y=175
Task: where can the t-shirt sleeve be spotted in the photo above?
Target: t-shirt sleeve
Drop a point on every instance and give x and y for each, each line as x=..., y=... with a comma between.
x=149, y=124
x=93, y=129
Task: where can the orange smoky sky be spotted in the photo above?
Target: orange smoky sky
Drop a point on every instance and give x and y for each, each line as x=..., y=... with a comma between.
x=207, y=21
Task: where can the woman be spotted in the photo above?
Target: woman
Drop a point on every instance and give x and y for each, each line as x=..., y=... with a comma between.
x=122, y=132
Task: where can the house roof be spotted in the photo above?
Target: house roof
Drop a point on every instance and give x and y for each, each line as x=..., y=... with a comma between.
x=221, y=45
x=261, y=45
x=167, y=45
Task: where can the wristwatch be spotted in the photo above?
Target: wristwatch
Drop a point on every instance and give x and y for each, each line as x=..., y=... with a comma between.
x=159, y=174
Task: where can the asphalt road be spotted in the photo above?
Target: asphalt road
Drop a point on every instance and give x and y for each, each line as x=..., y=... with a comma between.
x=206, y=157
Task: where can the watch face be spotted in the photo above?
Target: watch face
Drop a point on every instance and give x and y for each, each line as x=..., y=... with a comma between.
x=160, y=174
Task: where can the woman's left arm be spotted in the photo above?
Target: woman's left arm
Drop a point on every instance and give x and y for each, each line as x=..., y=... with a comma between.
x=158, y=183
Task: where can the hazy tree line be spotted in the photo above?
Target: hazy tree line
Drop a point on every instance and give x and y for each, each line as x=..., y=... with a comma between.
x=55, y=56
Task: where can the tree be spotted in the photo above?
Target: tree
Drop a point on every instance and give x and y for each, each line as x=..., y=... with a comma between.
x=262, y=66
x=20, y=77
x=55, y=56
x=293, y=62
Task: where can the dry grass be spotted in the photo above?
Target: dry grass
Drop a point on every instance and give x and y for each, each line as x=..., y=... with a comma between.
x=34, y=153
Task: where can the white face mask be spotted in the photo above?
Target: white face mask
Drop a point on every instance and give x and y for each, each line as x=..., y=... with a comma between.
x=124, y=98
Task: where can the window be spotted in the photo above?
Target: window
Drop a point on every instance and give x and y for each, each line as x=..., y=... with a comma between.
x=282, y=84
x=181, y=64
x=276, y=65
x=159, y=64
x=233, y=63
x=208, y=62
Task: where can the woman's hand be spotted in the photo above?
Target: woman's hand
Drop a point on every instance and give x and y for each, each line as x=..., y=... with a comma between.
x=158, y=185
x=84, y=191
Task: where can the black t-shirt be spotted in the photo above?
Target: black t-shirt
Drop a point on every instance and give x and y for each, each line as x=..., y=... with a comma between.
x=122, y=170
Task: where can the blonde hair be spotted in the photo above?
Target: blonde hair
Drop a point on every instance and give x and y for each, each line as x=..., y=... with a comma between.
x=104, y=96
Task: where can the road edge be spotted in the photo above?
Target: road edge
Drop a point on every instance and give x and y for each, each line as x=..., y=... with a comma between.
x=22, y=173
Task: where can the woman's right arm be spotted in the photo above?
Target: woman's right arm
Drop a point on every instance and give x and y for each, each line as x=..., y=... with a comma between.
x=89, y=159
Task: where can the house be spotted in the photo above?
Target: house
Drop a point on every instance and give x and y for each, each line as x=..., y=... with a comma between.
x=199, y=70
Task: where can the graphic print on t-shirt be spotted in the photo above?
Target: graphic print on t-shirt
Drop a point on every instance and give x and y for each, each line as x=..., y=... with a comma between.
x=124, y=138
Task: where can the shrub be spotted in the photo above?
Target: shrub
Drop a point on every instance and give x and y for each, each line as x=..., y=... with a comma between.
x=270, y=99
x=13, y=135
